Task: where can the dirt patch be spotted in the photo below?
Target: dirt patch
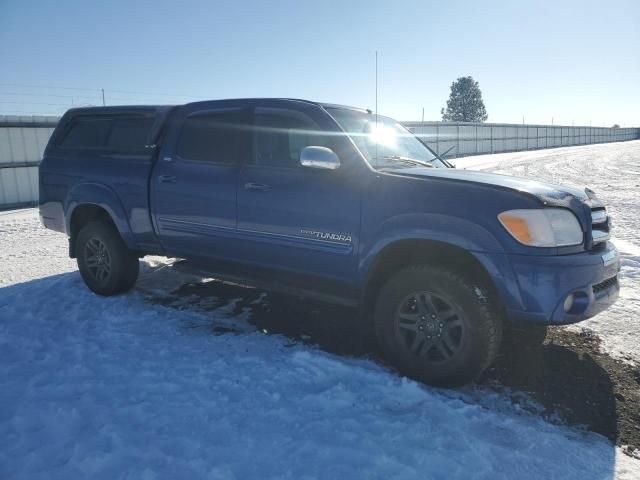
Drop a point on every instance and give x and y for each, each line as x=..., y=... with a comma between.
x=568, y=374
x=330, y=327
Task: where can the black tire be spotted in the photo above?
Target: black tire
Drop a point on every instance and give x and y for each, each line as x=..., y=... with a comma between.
x=106, y=265
x=457, y=329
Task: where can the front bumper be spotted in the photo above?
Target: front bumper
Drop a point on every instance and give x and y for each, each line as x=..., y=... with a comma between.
x=545, y=283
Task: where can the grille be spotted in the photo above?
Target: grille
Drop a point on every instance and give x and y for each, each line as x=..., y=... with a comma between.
x=600, y=226
x=605, y=285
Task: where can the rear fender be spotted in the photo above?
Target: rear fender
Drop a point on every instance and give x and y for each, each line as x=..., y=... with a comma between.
x=102, y=196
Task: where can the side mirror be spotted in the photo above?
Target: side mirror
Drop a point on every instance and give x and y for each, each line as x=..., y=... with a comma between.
x=319, y=157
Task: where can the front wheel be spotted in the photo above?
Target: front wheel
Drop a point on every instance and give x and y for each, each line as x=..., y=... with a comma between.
x=106, y=265
x=437, y=325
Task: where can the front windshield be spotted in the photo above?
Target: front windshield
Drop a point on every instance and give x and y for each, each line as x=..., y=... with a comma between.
x=383, y=141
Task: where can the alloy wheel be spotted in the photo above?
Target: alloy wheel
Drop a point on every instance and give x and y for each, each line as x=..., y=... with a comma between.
x=429, y=326
x=97, y=259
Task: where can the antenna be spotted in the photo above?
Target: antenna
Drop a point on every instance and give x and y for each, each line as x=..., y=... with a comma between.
x=376, y=133
x=376, y=86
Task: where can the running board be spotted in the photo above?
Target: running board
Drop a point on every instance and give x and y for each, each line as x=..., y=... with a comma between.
x=290, y=284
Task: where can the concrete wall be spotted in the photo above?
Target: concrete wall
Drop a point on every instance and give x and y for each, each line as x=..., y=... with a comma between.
x=22, y=142
x=464, y=139
x=23, y=139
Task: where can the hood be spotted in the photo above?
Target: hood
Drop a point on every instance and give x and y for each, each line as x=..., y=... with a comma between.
x=547, y=192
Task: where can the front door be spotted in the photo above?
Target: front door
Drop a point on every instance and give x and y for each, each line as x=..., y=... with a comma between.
x=291, y=217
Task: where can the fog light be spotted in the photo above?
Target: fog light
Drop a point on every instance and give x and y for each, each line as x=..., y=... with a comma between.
x=568, y=302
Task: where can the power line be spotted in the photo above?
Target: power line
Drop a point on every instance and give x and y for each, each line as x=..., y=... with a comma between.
x=126, y=92
x=29, y=94
x=46, y=86
x=38, y=103
x=97, y=90
x=97, y=98
x=32, y=112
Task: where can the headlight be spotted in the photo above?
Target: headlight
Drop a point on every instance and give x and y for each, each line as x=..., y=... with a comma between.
x=548, y=227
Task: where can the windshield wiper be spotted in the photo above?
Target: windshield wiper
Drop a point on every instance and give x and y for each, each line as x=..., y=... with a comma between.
x=412, y=161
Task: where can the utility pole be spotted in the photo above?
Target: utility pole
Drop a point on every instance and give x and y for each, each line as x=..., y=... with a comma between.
x=551, y=120
x=103, y=102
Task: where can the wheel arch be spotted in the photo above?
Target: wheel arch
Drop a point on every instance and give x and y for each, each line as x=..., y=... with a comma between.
x=80, y=216
x=89, y=202
x=399, y=254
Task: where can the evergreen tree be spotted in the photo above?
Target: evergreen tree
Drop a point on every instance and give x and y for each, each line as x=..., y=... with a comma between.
x=465, y=102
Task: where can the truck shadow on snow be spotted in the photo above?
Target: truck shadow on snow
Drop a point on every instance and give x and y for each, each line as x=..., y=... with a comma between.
x=568, y=376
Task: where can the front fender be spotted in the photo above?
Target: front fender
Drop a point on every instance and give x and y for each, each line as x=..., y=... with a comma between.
x=456, y=231
x=452, y=231
x=104, y=197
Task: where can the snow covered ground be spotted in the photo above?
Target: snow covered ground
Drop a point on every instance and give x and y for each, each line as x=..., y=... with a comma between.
x=110, y=388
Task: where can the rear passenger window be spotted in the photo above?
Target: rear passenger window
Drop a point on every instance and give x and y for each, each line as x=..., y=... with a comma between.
x=118, y=132
x=129, y=133
x=86, y=132
x=211, y=137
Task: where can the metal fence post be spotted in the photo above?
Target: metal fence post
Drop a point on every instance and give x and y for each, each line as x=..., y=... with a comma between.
x=477, y=139
x=491, y=137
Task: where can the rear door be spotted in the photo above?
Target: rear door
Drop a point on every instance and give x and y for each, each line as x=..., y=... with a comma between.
x=294, y=218
x=193, y=186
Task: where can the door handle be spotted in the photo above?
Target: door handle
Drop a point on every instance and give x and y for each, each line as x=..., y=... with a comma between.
x=167, y=179
x=257, y=186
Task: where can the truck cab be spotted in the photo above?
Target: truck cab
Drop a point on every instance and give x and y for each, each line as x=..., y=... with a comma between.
x=335, y=203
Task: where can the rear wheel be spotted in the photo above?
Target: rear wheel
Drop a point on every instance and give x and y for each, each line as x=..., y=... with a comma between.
x=437, y=325
x=106, y=265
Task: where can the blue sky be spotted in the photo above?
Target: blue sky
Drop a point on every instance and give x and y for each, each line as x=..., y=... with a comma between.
x=575, y=61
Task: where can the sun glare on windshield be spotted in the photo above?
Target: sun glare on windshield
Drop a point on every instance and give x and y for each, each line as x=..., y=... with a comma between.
x=383, y=135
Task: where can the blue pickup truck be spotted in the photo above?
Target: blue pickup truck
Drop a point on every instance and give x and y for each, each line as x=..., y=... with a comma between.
x=335, y=203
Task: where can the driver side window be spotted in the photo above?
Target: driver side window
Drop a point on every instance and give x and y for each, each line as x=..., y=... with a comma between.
x=280, y=135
